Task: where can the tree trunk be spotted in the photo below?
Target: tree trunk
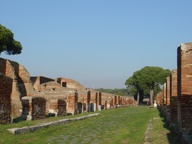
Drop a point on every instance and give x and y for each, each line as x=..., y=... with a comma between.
x=151, y=96
x=138, y=97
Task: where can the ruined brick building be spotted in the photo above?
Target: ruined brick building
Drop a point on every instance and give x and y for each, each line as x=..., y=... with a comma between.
x=31, y=98
x=175, y=100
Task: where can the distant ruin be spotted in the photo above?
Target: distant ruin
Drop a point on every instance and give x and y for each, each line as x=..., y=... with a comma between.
x=31, y=98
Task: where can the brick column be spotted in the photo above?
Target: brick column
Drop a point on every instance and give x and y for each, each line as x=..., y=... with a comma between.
x=174, y=95
x=168, y=98
x=72, y=100
x=185, y=87
x=5, y=99
x=164, y=98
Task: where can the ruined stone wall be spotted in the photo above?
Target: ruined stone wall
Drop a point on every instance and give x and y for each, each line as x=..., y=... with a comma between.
x=185, y=87
x=5, y=99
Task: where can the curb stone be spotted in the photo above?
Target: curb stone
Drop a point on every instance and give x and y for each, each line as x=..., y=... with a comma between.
x=29, y=129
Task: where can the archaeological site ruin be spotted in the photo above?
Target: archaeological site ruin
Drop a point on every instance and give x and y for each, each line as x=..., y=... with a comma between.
x=30, y=98
x=175, y=99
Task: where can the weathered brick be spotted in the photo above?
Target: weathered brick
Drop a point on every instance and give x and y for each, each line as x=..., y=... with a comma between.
x=184, y=75
x=5, y=99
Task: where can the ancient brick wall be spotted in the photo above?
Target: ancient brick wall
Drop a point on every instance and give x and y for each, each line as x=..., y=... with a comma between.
x=164, y=93
x=168, y=91
x=69, y=83
x=5, y=99
x=58, y=106
x=98, y=101
x=160, y=101
x=168, y=98
x=2, y=66
x=21, y=84
x=33, y=107
x=174, y=96
x=38, y=108
x=82, y=101
x=184, y=67
x=37, y=81
x=116, y=101
x=53, y=104
x=10, y=72
x=62, y=107
x=72, y=100
x=106, y=100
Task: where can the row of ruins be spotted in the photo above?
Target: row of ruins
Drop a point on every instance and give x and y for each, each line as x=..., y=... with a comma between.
x=29, y=98
x=175, y=99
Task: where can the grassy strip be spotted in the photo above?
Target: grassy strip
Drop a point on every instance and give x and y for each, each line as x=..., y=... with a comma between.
x=115, y=126
x=162, y=133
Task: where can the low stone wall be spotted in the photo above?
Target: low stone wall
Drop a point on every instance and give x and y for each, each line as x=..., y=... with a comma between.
x=28, y=129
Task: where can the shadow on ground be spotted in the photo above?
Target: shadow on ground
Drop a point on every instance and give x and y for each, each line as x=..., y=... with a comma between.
x=173, y=137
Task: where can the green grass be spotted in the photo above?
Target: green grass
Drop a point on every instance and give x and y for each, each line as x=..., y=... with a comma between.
x=116, y=126
x=162, y=132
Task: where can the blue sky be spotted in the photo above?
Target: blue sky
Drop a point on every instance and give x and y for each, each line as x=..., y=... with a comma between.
x=99, y=43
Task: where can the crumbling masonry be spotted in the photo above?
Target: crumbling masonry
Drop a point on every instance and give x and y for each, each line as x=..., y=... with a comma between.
x=176, y=99
x=30, y=98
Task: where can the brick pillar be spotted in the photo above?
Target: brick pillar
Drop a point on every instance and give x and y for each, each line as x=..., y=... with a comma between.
x=164, y=98
x=164, y=94
x=62, y=108
x=93, y=101
x=5, y=99
x=33, y=107
x=174, y=96
x=98, y=101
x=184, y=65
x=168, y=91
x=72, y=100
x=159, y=99
x=168, y=98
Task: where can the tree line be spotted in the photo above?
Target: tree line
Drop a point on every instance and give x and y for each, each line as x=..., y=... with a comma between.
x=121, y=92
